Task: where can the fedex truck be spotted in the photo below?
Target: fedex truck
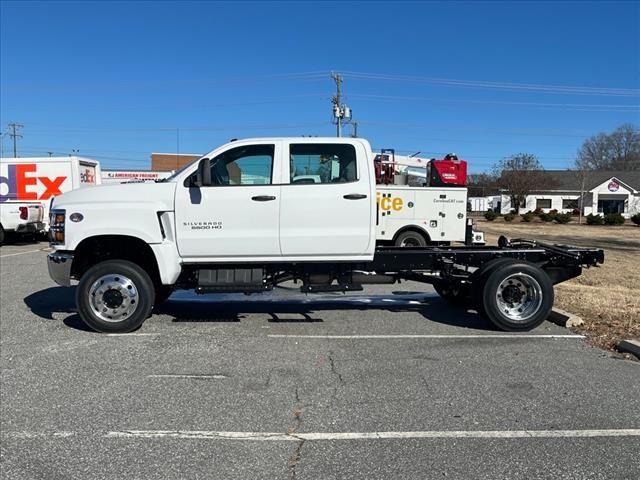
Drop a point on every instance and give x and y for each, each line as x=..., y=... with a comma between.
x=39, y=179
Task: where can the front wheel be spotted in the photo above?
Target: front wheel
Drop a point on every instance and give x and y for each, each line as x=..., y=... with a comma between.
x=115, y=296
x=516, y=296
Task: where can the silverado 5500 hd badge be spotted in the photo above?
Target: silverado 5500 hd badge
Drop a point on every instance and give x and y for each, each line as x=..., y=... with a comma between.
x=203, y=225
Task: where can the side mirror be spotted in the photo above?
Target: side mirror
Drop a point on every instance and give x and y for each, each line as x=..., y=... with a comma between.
x=203, y=174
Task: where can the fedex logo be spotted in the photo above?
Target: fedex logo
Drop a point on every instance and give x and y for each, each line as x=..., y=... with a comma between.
x=22, y=184
x=87, y=176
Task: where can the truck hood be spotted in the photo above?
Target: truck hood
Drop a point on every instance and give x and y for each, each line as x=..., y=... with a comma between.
x=158, y=196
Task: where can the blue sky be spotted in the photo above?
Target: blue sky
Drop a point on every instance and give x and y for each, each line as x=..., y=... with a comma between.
x=117, y=81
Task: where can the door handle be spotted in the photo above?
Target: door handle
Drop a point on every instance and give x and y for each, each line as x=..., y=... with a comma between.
x=263, y=198
x=355, y=196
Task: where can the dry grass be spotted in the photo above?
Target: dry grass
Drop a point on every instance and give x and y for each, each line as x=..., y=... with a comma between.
x=607, y=298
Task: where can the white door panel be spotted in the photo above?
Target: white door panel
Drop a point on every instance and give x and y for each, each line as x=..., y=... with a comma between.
x=327, y=210
x=227, y=222
x=237, y=216
x=318, y=220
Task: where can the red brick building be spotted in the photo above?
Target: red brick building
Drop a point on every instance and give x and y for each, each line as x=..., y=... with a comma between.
x=166, y=162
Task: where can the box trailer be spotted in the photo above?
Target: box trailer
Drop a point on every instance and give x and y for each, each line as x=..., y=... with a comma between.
x=39, y=179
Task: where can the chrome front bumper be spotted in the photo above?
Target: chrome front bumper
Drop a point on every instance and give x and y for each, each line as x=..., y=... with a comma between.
x=59, y=265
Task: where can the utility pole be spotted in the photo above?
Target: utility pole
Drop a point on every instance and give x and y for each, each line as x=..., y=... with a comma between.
x=14, y=127
x=340, y=111
x=337, y=103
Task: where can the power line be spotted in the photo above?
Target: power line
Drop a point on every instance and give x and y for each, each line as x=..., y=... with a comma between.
x=556, y=89
x=569, y=106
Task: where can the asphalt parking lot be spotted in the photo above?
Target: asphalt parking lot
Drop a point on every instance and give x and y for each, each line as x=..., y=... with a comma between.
x=392, y=383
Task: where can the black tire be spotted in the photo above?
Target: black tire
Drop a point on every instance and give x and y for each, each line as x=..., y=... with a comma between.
x=516, y=296
x=122, y=274
x=456, y=294
x=163, y=292
x=410, y=238
x=1, y=235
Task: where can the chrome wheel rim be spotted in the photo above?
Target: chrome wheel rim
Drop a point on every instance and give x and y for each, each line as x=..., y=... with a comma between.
x=113, y=298
x=519, y=297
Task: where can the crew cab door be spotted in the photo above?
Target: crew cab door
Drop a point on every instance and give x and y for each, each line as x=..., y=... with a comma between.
x=236, y=216
x=327, y=204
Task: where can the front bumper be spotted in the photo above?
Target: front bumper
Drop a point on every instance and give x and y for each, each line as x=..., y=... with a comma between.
x=59, y=265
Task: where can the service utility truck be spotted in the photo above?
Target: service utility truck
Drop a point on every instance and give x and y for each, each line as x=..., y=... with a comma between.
x=422, y=202
x=39, y=179
x=20, y=218
x=238, y=221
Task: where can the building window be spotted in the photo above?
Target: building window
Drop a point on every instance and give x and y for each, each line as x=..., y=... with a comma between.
x=543, y=203
x=570, y=204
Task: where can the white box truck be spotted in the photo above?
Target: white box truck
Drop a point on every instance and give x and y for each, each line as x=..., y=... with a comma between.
x=39, y=179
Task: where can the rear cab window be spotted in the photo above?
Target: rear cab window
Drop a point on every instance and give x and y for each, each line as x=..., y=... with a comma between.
x=321, y=163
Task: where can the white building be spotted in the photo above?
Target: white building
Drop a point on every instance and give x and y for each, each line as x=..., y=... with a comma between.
x=598, y=192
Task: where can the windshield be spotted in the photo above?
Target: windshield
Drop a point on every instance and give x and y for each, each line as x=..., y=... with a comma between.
x=173, y=176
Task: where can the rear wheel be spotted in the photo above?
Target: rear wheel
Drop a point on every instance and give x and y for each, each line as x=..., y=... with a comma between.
x=115, y=296
x=410, y=238
x=1, y=235
x=516, y=296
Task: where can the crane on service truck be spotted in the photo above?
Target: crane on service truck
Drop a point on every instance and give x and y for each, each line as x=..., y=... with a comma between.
x=240, y=220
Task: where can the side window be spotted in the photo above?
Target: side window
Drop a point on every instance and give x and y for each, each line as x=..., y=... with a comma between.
x=322, y=163
x=247, y=165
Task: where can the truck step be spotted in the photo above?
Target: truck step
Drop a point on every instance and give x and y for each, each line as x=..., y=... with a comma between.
x=347, y=287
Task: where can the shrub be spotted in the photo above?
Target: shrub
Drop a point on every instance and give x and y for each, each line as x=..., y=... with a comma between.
x=490, y=215
x=594, y=219
x=613, y=219
x=537, y=211
x=563, y=218
x=527, y=217
x=513, y=211
x=546, y=217
x=636, y=219
x=575, y=211
x=509, y=217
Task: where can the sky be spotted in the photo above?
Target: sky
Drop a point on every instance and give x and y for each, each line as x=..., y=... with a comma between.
x=116, y=81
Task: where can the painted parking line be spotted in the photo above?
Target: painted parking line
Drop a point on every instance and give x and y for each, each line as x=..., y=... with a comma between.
x=132, y=334
x=319, y=436
x=382, y=337
x=329, y=436
x=20, y=253
x=195, y=376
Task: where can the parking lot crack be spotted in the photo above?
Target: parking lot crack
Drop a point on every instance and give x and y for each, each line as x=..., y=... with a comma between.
x=295, y=457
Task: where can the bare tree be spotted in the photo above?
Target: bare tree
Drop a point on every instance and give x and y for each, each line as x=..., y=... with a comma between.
x=520, y=175
x=619, y=150
x=481, y=184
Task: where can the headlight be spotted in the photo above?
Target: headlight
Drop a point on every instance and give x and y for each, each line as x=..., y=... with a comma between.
x=56, y=227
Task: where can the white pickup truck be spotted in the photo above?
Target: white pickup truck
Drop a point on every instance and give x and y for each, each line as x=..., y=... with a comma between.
x=245, y=218
x=20, y=218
